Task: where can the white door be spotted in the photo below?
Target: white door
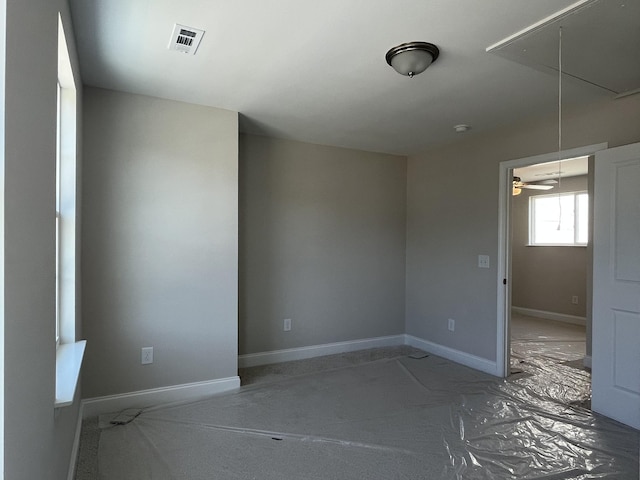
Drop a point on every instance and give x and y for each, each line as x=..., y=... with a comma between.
x=616, y=285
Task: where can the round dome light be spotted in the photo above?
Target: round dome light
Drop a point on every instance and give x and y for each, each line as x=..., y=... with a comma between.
x=412, y=58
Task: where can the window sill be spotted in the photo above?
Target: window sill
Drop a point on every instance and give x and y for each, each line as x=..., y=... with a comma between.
x=556, y=245
x=68, y=362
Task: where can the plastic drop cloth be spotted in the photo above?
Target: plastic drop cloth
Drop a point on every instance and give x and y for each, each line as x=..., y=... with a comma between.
x=398, y=418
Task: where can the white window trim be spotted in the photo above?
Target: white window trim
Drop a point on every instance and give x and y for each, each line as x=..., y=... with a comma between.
x=69, y=351
x=58, y=203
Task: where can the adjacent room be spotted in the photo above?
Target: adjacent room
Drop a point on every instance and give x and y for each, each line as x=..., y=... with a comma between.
x=550, y=258
x=282, y=239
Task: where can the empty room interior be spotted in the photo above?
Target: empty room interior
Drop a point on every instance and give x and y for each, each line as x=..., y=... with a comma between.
x=550, y=261
x=320, y=240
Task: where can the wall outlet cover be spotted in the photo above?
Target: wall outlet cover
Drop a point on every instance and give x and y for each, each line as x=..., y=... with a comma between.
x=146, y=355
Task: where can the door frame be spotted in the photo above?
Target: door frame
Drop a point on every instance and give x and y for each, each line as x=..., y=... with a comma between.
x=503, y=341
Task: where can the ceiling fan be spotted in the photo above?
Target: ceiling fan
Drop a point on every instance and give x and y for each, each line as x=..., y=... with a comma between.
x=518, y=185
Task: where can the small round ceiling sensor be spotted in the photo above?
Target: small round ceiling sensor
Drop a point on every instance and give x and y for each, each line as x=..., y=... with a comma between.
x=462, y=128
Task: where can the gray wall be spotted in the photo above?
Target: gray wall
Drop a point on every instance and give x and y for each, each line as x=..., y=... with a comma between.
x=322, y=242
x=38, y=439
x=452, y=214
x=545, y=278
x=160, y=242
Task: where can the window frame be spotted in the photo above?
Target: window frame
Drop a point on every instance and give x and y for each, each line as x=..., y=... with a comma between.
x=58, y=218
x=69, y=351
x=576, y=219
x=66, y=196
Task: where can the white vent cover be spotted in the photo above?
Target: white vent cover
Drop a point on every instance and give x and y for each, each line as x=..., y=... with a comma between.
x=185, y=39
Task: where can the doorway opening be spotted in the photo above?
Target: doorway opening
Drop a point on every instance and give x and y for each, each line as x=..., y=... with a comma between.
x=523, y=322
x=549, y=225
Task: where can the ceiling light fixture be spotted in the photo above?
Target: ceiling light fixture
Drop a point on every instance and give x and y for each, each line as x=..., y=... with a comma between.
x=412, y=58
x=518, y=185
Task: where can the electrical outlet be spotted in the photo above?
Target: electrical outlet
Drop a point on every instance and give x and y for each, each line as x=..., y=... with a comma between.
x=287, y=324
x=483, y=261
x=147, y=355
x=452, y=325
x=574, y=300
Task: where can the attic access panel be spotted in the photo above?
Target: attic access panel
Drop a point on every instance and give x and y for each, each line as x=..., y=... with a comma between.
x=600, y=44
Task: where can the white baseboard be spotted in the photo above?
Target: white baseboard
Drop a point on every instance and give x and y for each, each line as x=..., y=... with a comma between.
x=158, y=396
x=277, y=356
x=559, y=317
x=454, y=355
x=587, y=361
x=76, y=446
x=301, y=353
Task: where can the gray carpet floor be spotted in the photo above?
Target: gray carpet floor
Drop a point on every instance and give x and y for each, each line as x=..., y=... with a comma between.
x=374, y=414
x=537, y=338
x=87, y=464
x=538, y=344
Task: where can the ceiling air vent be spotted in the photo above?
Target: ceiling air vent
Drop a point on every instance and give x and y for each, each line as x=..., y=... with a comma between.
x=185, y=39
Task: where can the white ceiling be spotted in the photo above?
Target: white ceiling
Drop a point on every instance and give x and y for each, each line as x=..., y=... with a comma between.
x=316, y=72
x=569, y=167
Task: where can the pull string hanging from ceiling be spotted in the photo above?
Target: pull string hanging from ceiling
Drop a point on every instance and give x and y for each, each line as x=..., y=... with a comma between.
x=559, y=126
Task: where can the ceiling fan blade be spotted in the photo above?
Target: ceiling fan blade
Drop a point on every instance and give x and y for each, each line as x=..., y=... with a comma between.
x=537, y=187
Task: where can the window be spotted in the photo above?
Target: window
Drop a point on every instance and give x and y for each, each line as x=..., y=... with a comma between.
x=69, y=352
x=559, y=219
x=65, y=201
x=58, y=216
